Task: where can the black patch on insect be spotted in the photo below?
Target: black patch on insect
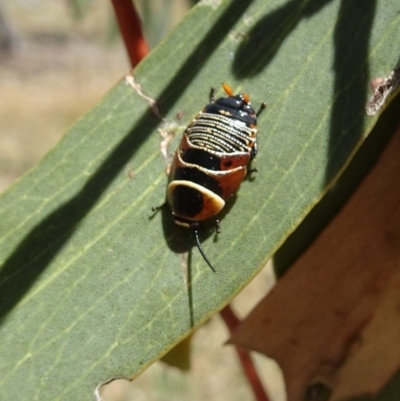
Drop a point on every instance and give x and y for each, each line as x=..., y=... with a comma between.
x=201, y=158
x=199, y=177
x=187, y=201
x=235, y=107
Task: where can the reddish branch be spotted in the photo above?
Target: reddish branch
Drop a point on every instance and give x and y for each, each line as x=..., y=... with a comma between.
x=131, y=30
x=232, y=322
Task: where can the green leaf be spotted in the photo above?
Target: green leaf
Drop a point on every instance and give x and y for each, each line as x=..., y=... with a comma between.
x=91, y=287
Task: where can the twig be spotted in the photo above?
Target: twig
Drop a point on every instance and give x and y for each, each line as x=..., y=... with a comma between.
x=232, y=322
x=131, y=30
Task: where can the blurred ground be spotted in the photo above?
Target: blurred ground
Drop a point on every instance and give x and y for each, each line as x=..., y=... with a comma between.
x=58, y=70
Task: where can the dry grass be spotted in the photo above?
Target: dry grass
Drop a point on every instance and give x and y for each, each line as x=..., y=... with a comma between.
x=51, y=79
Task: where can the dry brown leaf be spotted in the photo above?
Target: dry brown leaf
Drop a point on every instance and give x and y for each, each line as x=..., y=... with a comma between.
x=179, y=356
x=333, y=321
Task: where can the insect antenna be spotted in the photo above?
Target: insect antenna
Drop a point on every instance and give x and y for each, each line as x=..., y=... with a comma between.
x=196, y=236
x=262, y=107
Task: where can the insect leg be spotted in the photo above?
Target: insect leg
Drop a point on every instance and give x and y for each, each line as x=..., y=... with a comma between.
x=212, y=93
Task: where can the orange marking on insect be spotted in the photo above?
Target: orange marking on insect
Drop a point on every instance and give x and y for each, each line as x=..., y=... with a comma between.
x=228, y=90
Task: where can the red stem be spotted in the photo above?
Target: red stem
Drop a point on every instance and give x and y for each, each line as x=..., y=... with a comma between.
x=232, y=322
x=131, y=30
